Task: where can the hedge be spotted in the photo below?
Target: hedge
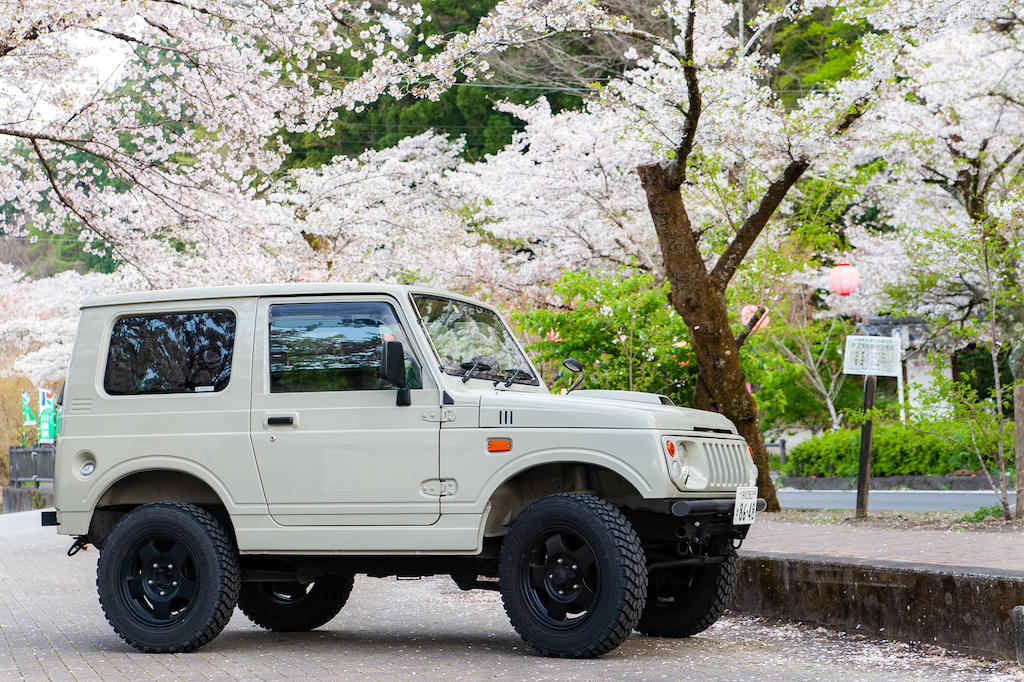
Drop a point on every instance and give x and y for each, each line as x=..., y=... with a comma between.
x=895, y=451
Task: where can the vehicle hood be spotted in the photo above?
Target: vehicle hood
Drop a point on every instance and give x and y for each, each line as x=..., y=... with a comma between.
x=630, y=410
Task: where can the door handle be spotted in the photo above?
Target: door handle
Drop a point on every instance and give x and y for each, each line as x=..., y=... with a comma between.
x=280, y=421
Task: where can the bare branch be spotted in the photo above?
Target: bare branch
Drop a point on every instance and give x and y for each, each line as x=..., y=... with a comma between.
x=749, y=328
x=755, y=224
x=677, y=172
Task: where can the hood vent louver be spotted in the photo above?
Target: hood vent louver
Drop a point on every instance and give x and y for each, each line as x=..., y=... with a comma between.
x=505, y=418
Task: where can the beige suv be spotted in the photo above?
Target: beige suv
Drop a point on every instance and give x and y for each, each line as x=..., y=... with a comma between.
x=261, y=445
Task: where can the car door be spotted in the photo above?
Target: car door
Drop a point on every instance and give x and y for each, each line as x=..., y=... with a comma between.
x=332, y=446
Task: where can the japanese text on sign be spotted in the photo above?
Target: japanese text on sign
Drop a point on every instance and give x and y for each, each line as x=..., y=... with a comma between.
x=873, y=355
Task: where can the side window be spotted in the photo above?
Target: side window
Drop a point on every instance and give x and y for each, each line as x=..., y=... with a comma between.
x=170, y=353
x=333, y=347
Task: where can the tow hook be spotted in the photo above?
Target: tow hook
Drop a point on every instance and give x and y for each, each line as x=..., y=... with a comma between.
x=80, y=543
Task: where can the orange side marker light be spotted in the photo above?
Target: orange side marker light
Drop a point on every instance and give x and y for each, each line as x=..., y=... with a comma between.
x=499, y=445
x=671, y=447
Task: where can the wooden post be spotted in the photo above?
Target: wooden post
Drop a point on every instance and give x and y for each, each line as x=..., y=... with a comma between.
x=864, y=471
x=1018, y=445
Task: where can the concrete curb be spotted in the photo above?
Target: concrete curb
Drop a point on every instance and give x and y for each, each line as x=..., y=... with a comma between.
x=936, y=483
x=964, y=608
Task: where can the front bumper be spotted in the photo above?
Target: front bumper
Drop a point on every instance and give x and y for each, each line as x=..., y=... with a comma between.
x=717, y=506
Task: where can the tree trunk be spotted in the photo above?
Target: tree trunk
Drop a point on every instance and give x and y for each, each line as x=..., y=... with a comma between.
x=722, y=386
x=1018, y=444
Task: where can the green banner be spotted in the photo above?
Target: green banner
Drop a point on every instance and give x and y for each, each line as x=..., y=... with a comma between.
x=47, y=425
x=27, y=418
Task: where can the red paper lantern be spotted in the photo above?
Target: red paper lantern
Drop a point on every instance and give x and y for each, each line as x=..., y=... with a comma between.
x=844, y=279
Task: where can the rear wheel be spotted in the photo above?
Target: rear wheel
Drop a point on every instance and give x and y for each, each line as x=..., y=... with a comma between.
x=684, y=602
x=572, y=576
x=294, y=607
x=168, y=577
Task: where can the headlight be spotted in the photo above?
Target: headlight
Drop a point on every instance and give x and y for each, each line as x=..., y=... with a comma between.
x=684, y=459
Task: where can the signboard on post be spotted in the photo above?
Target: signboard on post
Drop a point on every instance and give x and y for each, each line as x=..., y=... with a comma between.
x=873, y=355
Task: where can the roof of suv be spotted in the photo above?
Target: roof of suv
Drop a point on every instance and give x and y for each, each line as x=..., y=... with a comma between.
x=262, y=290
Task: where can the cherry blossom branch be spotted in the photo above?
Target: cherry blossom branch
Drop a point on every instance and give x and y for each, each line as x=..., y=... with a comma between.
x=70, y=205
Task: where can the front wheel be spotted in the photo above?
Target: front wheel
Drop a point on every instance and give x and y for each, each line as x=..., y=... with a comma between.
x=168, y=577
x=684, y=602
x=294, y=607
x=572, y=576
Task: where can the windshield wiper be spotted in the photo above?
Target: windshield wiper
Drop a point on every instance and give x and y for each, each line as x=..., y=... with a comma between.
x=471, y=367
x=515, y=375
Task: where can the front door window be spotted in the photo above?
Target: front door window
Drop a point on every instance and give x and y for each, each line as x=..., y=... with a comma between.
x=333, y=347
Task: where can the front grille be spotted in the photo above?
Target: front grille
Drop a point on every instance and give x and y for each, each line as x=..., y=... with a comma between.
x=727, y=463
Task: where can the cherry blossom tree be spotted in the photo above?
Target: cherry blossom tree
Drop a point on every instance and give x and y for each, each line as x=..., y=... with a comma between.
x=700, y=102
x=125, y=121
x=950, y=135
x=189, y=142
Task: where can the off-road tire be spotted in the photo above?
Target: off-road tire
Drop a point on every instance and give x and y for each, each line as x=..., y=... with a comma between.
x=584, y=546
x=164, y=534
x=694, y=599
x=294, y=607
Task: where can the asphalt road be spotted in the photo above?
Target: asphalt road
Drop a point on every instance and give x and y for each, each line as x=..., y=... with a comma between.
x=891, y=500
x=51, y=627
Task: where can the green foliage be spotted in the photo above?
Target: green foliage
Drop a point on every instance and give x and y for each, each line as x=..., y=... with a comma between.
x=983, y=514
x=989, y=434
x=55, y=253
x=815, y=52
x=464, y=110
x=785, y=362
x=973, y=365
x=930, y=449
x=622, y=328
x=785, y=397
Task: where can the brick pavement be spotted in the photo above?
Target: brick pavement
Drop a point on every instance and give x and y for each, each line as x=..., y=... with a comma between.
x=968, y=547
x=51, y=627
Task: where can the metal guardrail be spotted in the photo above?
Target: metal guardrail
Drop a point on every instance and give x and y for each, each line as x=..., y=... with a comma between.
x=31, y=465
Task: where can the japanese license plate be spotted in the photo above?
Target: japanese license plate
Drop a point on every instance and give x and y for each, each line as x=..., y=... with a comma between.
x=746, y=506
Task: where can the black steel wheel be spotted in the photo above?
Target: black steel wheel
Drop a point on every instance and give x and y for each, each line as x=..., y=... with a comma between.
x=168, y=577
x=572, y=576
x=560, y=577
x=683, y=602
x=294, y=607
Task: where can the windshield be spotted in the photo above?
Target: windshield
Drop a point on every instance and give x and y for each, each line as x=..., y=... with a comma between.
x=469, y=338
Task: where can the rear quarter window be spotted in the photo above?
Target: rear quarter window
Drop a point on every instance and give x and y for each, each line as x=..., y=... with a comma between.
x=170, y=353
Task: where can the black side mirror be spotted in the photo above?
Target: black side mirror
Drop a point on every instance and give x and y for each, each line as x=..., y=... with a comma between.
x=392, y=369
x=574, y=366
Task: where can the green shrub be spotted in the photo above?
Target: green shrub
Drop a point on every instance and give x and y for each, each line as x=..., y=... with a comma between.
x=995, y=512
x=896, y=450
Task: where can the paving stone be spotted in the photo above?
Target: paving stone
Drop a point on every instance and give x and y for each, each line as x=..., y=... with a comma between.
x=51, y=627
x=989, y=549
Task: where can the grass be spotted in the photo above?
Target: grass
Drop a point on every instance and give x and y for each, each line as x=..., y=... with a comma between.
x=983, y=514
x=988, y=518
